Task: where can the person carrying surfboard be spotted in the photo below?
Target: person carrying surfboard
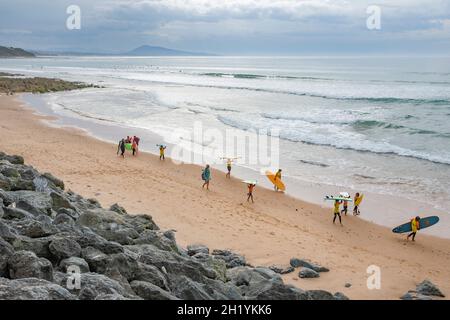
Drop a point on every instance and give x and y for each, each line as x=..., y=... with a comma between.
x=415, y=226
x=229, y=162
x=206, y=176
x=357, y=201
x=277, y=177
x=162, y=150
x=250, y=186
x=337, y=211
x=345, y=206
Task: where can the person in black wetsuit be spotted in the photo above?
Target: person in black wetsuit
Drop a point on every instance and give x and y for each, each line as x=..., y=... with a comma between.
x=121, y=148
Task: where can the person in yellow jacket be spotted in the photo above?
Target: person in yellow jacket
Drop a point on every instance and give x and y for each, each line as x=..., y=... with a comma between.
x=337, y=211
x=162, y=150
x=415, y=226
x=277, y=177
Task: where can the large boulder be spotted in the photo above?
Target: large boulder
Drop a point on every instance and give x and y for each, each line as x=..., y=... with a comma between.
x=6, y=232
x=197, y=248
x=320, y=295
x=14, y=159
x=231, y=259
x=32, y=289
x=62, y=248
x=77, y=262
x=6, y=251
x=428, y=288
x=33, y=202
x=308, y=273
x=93, y=285
x=25, y=264
x=149, y=291
x=304, y=263
x=97, y=260
x=34, y=228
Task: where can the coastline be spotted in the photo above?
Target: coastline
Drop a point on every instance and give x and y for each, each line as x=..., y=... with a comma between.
x=273, y=230
x=395, y=211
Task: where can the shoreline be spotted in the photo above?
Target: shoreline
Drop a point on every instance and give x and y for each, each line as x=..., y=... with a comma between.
x=275, y=229
x=396, y=210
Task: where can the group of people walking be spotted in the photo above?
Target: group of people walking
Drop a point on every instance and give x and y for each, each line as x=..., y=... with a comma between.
x=337, y=207
x=128, y=143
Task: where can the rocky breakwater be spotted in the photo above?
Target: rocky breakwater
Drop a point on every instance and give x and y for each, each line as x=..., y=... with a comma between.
x=55, y=244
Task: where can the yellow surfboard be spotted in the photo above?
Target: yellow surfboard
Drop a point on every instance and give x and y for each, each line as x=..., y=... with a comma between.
x=276, y=182
x=357, y=202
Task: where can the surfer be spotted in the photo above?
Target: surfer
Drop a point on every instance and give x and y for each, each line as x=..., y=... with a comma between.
x=357, y=201
x=162, y=150
x=206, y=176
x=337, y=212
x=121, y=148
x=277, y=177
x=229, y=162
x=415, y=226
x=250, y=186
x=345, y=207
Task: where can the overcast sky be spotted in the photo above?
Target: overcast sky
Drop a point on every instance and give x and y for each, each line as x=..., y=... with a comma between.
x=229, y=26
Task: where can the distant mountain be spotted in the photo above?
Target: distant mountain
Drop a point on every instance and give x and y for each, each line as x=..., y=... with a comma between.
x=161, y=51
x=6, y=52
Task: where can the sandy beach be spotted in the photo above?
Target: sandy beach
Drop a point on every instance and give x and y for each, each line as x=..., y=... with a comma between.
x=271, y=231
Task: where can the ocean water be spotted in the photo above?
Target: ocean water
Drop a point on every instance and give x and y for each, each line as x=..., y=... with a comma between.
x=372, y=124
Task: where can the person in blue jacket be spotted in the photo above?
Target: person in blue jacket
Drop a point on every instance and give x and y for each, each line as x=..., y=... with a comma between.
x=206, y=176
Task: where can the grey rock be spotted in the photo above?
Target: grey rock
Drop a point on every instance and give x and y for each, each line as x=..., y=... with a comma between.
x=94, y=285
x=150, y=291
x=340, y=296
x=348, y=285
x=187, y=289
x=74, y=261
x=151, y=274
x=14, y=159
x=414, y=295
x=97, y=260
x=304, y=263
x=59, y=201
x=57, y=182
x=34, y=228
x=16, y=213
x=6, y=232
x=119, y=209
x=33, y=202
x=62, y=248
x=32, y=289
x=62, y=218
x=308, y=273
x=282, y=270
x=39, y=246
x=231, y=259
x=197, y=248
x=6, y=251
x=25, y=264
x=157, y=239
x=428, y=288
x=320, y=295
